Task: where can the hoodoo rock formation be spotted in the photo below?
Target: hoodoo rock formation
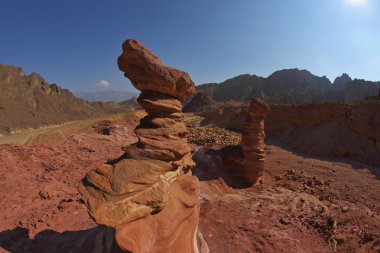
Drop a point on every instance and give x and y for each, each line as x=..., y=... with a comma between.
x=149, y=195
x=252, y=141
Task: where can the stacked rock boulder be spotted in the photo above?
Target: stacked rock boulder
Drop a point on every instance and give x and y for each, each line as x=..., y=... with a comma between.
x=252, y=141
x=149, y=195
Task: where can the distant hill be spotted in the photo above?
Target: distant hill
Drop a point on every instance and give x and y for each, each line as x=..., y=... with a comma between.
x=27, y=101
x=288, y=86
x=105, y=96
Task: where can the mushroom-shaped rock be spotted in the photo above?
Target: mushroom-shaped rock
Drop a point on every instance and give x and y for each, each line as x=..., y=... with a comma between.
x=148, y=73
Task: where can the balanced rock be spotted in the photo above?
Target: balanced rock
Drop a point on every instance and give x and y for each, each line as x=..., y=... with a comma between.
x=149, y=195
x=252, y=141
x=142, y=67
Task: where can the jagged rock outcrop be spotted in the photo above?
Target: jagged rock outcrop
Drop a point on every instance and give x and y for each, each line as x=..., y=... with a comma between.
x=252, y=141
x=340, y=82
x=28, y=101
x=149, y=195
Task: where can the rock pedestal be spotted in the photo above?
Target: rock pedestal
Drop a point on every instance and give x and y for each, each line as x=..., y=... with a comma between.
x=252, y=141
x=149, y=195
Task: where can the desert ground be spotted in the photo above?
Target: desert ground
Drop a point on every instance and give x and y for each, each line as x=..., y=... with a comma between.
x=302, y=203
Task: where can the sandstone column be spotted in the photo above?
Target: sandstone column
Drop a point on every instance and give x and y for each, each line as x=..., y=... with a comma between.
x=252, y=142
x=149, y=195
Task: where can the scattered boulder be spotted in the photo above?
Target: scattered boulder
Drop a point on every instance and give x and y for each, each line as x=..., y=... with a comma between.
x=149, y=195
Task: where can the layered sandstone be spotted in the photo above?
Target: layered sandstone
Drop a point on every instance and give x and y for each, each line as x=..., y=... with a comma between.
x=149, y=195
x=171, y=230
x=252, y=141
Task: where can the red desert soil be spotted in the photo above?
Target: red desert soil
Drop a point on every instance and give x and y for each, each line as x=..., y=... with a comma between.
x=302, y=204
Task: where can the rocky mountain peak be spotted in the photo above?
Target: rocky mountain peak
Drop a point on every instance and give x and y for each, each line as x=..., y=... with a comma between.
x=28, y=101
x=11, y=70
x=340, y=81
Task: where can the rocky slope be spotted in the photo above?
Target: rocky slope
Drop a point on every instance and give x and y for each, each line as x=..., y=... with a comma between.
x=292, y=209
x=30, y=102
x=288, y=86
x=332, y=130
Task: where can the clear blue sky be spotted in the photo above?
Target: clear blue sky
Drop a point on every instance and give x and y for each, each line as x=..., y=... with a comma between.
x=75, y=43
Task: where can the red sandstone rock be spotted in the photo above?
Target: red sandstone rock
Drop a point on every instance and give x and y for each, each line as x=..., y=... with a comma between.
x=148, y=195
x=173, y=229
x=144, y=184
x=252, y=141
x=148, y=73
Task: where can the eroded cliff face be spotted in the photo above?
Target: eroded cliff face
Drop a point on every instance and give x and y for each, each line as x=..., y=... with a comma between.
x=149, y=195
x=332, y=130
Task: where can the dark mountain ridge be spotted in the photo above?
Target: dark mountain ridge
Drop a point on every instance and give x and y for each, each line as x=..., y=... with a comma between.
x=288, y=86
